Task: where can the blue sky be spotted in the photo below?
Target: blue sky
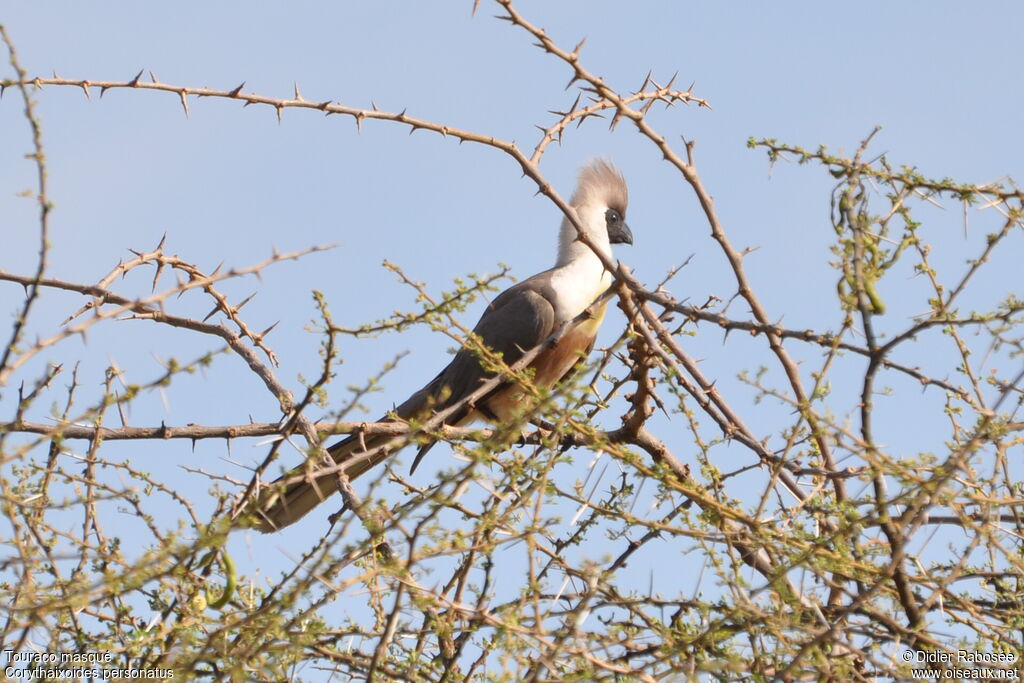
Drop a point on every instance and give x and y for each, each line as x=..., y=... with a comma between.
x=230, y=184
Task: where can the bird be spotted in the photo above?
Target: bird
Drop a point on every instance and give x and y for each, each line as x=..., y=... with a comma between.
x=519, y=319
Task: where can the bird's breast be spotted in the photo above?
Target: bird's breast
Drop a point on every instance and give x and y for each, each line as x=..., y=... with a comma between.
x=577, y=286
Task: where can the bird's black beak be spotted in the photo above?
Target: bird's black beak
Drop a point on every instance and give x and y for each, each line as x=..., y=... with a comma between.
x=620, y=234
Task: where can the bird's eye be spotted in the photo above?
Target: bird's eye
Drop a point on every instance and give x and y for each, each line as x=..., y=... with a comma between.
x=612, y=216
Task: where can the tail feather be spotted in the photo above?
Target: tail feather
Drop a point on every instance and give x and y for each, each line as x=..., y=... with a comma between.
x=289, y=498
x=284, y=503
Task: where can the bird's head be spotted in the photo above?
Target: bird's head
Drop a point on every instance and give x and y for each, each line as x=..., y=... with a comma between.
x=600, y=203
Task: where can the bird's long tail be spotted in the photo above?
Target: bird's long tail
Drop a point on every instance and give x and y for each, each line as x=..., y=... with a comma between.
x=292, y=495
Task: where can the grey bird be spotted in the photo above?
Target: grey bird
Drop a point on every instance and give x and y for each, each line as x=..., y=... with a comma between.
x=516, y=321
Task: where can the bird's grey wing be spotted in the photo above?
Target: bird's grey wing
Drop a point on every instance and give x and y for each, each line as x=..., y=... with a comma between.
x=516, y=321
